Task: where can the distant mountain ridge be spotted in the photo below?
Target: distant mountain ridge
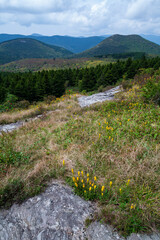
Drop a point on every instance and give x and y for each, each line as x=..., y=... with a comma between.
x=122, y=44
x=152, y=38
x=73, y=44
x=22, y=48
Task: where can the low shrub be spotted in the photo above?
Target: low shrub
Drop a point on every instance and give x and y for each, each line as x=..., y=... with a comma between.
x=151, y=91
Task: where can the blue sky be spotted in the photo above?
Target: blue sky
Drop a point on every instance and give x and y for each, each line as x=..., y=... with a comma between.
x=80, y=17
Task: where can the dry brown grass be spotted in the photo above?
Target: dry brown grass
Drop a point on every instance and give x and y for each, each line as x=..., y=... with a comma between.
x=31, y=134
x=72, y=134
x=11, y=117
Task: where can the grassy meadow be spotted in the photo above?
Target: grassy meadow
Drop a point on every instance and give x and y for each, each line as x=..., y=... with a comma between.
x=34, y=65
x=109, y=153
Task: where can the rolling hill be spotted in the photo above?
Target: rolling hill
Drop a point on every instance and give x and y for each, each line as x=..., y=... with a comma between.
x=73, y=44
x=122, y=44
x=29, y=48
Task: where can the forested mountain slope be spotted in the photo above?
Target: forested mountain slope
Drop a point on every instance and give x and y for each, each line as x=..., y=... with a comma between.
x=122, y=44
x=73, y=44
x=29, y=48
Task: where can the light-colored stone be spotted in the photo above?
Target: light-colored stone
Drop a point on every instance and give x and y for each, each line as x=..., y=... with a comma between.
x=97, y=231
x=12, y=126
x=86, y=101
x=55, y=214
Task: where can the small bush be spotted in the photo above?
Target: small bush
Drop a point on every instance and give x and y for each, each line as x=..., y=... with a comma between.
x=151, y=91
x=100, y=89
x=126, y=84
x=10, y=193
x=49, y=99
x=9, y=103
x=24, y=104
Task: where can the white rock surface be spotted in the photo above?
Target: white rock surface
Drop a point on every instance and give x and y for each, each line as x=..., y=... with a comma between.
x=86, y=101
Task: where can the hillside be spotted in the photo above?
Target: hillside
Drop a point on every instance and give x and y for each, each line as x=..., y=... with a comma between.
x=73, y=44
x=122, y=44
x=39, y=64
x=108, y=153
x=29, y=48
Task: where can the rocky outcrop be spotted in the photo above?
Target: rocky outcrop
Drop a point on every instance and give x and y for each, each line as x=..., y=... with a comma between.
x=86, y=101
x=56, y=214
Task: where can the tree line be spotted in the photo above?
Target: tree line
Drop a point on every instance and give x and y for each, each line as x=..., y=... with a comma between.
x=34, y=86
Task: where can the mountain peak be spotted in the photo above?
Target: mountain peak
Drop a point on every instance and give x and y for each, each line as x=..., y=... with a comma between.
x=122, y=44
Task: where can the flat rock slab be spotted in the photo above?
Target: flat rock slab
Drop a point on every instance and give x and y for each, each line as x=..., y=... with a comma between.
x=86, y=101
x=55, y=214
x=10, y=127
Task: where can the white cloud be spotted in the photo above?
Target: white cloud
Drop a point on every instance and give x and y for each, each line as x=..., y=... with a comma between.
x=142, y=9
x=81, y=17
x=35, y=6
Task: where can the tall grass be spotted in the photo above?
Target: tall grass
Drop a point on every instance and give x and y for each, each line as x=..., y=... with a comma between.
x=117, y=142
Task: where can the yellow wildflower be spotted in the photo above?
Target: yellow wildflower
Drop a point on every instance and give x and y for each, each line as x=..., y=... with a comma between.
x=79, y=173
x=102, y=189
x=133, y=206
x=84, y=191
x=77, y=178
x=87, y=174
x=120, y=190
x=74, y=179
x=82, y=181
x=110, y=183
x=102, y=193
x=72, y=171
x=63, y=162
x=82, y=173
x=83, y=185
x=76, y=184
x=94, y=186
x=95, y=179
x=90, y=189
x=128, y=182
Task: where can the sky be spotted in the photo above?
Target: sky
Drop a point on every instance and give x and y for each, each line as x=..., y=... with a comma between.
x=80, y=17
